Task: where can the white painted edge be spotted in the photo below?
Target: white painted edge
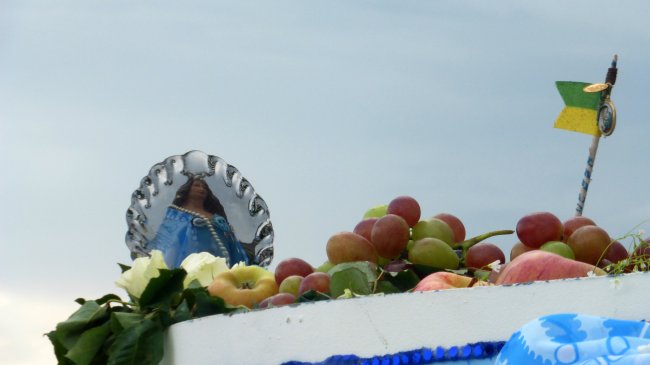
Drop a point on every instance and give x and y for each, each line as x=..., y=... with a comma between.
x=379, y=325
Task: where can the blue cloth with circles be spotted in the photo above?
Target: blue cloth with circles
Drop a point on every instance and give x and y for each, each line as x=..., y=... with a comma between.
x=578, y=339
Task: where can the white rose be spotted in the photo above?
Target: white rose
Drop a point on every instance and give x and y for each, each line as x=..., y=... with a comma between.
x=202, y=267
x=144, y=269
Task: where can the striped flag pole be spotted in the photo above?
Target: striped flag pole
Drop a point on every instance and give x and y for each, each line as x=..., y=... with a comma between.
x=586, y=179
x=605, y=120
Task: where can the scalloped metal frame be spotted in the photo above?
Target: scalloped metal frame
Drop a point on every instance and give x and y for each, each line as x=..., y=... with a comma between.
x=247, y=211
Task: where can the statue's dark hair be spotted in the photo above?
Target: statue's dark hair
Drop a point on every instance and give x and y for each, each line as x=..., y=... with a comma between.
x=211, y=202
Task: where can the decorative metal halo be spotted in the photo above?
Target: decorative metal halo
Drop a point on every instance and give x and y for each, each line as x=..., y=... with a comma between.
x=247, y=212
x=595, y=88
x=607, y=118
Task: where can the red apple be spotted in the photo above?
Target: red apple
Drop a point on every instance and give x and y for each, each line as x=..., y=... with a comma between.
x=482, y=254
x=349, y=247
x=292, y=266
x=455, y=224
x=536, y=229
x=278, y=300
x=317, y=281
x=446, y=280
x=541, y=265
x=390, y=235
x=364, y=228
x=405, y=207
x=573, y=223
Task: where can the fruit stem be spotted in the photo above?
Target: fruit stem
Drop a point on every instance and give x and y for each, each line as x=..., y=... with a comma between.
x=247, y=285
x=465, y=245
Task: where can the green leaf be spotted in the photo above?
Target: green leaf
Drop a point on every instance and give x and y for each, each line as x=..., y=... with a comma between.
x=161, y=290
x=101, y=301
x=123, y=320
x=367, y=268
x=181, y=313
x=195, y=284
x=483, y=275
x=424, y=270
x=164, y=318
x=404, y=280
x=386, y=287
x=312, y=296
x=89, y=344
x=124, y=268
x=106, y=298
x=350, y=278
x=89, y=314
x=59, y=349
x=138, y=345
x=205, y=304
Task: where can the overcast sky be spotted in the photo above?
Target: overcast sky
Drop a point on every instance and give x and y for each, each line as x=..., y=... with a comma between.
x=326, y=107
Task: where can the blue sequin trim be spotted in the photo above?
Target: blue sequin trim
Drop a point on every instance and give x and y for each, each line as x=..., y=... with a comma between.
x=479, y=350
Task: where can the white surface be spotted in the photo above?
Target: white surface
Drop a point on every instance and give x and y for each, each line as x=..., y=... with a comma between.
x=374, y=326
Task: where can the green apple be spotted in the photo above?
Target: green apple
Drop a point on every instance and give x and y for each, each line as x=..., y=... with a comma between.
x=559, y=248
x=433, y=228
x=435, y=253
x=325, y=267
x=381, y=261
x=290, y=285
x=376, y=211
x=409, y=245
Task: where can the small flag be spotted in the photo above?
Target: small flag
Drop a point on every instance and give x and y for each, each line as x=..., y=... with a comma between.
x=580, y=113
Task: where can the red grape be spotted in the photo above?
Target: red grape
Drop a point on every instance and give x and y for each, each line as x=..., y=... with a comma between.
x=405, y=207
x=483, y=254
x=536, y=229
x=455, y=224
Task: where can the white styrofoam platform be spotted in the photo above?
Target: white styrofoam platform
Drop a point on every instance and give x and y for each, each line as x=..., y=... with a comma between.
x=373, y=326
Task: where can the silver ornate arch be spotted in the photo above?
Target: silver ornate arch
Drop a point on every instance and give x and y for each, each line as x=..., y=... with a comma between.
x=247, y=211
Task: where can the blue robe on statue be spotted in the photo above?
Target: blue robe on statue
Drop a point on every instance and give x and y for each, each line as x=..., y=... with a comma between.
x=181, y=234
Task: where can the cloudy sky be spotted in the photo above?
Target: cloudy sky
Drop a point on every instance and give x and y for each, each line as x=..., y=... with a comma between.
x=327, y=107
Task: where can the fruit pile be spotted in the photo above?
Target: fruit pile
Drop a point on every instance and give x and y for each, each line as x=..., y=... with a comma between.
x=393, y=250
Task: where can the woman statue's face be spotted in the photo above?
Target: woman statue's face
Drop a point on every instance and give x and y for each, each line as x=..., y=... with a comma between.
x=198, y=190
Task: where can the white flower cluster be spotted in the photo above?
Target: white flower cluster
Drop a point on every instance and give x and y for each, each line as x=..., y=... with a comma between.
x=202, y=267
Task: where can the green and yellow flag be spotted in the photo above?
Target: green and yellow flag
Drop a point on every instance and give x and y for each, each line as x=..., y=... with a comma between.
x=580, y=113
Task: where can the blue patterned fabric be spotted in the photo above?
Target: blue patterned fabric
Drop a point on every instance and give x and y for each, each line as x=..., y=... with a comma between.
x=480, y=353
x=578, y=339
x=181, y=234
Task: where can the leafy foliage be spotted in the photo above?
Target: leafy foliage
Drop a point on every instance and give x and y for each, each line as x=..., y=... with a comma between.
x=637, y=261
x=111, y=331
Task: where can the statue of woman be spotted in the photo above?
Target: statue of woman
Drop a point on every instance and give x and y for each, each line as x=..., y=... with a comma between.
x=196, y=222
